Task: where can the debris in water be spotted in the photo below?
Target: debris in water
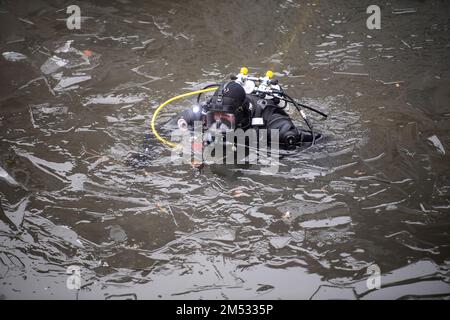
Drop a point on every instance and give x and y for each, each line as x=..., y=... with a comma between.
x=298, y=209
x=404, y=11
x=411, y=272
x=280, y=242
x=53, y=64
x=240, y=218
x=26, y=21
x=16, y=212
x=13, y=56
x=221, y=234
x=6, y=219
x=69, y=82
x=112, y=99
x=126, y=296
x=416, y=289
x=4, y=175
x=350, y=73
x=406, y=44
x=117, y=234
x=286, y=215
x=264, y=287
x=326, y=223
x=437, y=143
x=66, y=234
x=396, y=83
x=326, y=292
x=65, y=48
x=239, y=192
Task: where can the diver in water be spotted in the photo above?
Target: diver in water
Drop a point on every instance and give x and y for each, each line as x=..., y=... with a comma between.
x=239, y=104
x=245, y=103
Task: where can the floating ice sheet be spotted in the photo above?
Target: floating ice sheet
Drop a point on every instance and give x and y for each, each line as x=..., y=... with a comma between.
x=409, y=273
x=280, y=242
x=417, y=289
x=221, y=234
x=437, y=143
x=332, y=292
x=53, y=64
x=326, y=223
x=65, y=48
x=66, y=234
x=13, y=56
x=112, y=99
x=4, y=175
x=17, y=212
x=316, y=210
x=70, y=81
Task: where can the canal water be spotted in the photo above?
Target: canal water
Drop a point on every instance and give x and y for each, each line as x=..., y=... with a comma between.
x=372, y=196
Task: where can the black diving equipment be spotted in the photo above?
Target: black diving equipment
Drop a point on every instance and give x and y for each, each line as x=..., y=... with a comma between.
x=249, y=102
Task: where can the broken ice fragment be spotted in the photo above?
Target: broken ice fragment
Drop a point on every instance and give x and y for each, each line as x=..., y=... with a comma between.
x=65, y=48
x=112, y=99
x=324, y=223
x=66, y=234
x=221, y=234
x=125, y=296
x=409, y=273
x=69, y=81
x=13, y=56
x=280, y=242
x=117, y=234
x=437, y=143
x=53, y=64
x=7, y=177
x=417, y=289
x=326, y=292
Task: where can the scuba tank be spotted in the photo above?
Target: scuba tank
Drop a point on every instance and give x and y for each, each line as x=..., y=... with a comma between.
x=265, y=114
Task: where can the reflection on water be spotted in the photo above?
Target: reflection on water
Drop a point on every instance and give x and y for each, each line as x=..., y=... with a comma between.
x=376, y=190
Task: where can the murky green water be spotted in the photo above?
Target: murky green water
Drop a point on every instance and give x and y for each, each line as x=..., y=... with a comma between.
x=376, y=190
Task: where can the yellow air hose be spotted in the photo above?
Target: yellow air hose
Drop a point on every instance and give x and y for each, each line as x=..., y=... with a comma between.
x=155, y=115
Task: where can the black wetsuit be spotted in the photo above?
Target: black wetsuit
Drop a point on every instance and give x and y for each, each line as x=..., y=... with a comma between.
x=269, y=116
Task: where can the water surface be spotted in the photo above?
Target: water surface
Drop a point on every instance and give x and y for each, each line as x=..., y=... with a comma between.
x=75, y=103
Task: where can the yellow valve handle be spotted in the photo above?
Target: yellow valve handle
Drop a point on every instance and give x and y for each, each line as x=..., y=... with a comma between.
x=244, y=71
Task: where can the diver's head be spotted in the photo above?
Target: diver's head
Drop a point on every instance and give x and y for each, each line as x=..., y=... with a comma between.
x=226, y=107
x=229, y=95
